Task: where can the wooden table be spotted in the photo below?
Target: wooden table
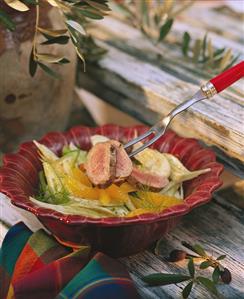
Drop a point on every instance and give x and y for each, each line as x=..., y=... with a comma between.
x=139, y=82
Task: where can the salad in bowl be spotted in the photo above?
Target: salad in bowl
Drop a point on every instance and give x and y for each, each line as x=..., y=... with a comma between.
x=85, y=190
x=105, y=182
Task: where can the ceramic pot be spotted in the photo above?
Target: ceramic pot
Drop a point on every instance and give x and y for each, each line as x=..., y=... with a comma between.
x=29, y=107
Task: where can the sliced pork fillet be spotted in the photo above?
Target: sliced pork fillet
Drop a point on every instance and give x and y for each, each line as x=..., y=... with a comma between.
x=123, y=162
x=145, y=178
x=107, y=162
x=101, y=163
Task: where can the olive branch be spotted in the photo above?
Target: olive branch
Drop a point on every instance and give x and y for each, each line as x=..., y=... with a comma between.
x=76, y=15
x=155, y=19
x=219, y=273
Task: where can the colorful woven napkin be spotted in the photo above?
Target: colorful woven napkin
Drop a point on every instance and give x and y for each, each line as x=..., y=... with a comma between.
x=35, y=265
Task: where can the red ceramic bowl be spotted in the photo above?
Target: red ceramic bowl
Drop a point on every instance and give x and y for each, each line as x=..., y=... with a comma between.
x=114, y=236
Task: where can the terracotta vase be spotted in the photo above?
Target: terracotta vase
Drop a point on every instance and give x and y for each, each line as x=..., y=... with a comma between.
x=30, y=107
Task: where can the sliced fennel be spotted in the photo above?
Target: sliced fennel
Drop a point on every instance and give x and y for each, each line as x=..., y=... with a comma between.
x=153, y=161
x=45, y=152
x=179, y=173
x=55, y=168
x=69, y=148
x=81, y=207
x=98, y=138
x=173, y=189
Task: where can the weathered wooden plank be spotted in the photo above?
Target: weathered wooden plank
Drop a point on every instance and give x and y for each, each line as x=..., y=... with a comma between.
x=165, y=55
x=209, y=19
x=214, y=228
x=218, y=122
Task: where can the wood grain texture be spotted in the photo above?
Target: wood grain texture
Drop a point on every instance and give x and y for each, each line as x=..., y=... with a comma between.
x=217, y=226
x=158, y=78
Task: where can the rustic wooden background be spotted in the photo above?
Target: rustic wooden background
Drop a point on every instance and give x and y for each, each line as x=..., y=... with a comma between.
x=139, y=82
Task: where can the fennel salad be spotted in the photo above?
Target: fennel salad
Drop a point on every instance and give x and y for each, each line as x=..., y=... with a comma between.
x=105, y=182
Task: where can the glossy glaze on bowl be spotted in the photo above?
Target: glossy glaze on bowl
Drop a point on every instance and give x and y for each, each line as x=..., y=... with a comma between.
x=115, y=236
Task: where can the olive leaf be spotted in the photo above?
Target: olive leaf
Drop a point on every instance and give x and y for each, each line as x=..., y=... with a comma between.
x=218, y=52
x=216, y=274
x=221, y=257
x=191, y=267
x=78, y=51
x=195, y=248
x=62, y=40
x=97, y=5
x=32, y=64
x=164, y=30
x=49, y=58
x=187, y=290
x=225, y=60
x=76, y=26
x=33, y=2
x=204, y=46
x=164, y=279
x=205, y=264
x=234, y=59
x=52, y=32
x=209, y=284
x=63, y=61
x=49, y=71
x=144, y=12
x=52, y=2
x=186, y=43
x=197, y=50
x=91, y=13
x=6, y=21
x=17, y=5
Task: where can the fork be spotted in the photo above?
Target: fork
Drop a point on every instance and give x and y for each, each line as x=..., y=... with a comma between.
x=208, y=90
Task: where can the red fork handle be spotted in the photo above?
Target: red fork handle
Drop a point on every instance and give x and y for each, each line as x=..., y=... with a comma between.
x=228, y=77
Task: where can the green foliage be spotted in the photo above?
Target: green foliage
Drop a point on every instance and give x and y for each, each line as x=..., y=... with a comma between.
x=178, y=255
x=6, y=21
x=191, y=267
x=155, y=20
x=209, y=284
x=164, y=279
x=164, y=29
x=205, y=55
x=77, y=14
x=187, y=290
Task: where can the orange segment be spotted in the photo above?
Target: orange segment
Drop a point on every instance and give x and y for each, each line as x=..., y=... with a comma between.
x=80, y=176
x=126, y=187
x=155, y=201
x=104, y=197
x=158, y=199
x=78, y=189
x=137, y=212
x=117, y=193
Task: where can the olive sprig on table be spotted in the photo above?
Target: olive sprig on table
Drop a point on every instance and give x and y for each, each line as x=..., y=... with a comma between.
x=155, y=19
x=192, y=279
x=203, y=53
x=76, y=15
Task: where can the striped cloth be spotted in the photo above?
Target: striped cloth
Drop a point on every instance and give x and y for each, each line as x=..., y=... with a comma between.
x=35, y=265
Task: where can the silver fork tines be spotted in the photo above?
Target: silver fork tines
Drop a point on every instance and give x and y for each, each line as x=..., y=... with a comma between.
x=157, y=130
x=160, y=127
